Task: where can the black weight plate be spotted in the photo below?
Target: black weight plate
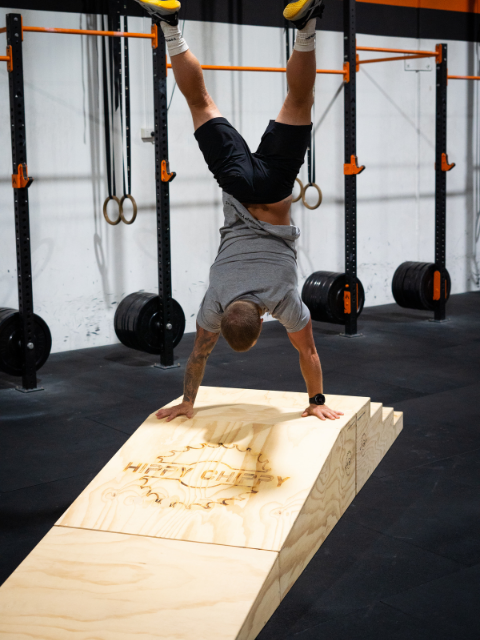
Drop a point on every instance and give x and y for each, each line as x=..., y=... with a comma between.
x=315, y=294
x=11, y=346
x=137, y=325
x=323, y=293
x=127, y=318
x=406, y=284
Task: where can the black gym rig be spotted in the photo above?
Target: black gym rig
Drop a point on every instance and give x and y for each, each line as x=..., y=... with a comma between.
x=334, y=297
x=143, y=321
x=25, y=339
x=426, y=285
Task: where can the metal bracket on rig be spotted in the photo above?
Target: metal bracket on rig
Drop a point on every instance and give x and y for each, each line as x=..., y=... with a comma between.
x=155, y=36
x=347, y=300
x=20, y=180
x=437, y=286
x=445, y=166
x=166, y=175
x=352, y=169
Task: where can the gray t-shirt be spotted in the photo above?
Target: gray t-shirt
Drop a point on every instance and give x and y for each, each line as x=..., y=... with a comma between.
x=256, y=261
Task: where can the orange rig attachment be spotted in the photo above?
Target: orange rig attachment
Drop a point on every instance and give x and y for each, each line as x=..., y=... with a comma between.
x=352, y=169
x=165, y=174
x=445, y=166
x=20, y=180
x=8, y=59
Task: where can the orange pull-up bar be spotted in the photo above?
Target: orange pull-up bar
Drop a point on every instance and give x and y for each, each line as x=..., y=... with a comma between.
x=410, y=51
x=154, y=38
x=423, y=55
x=90, y=32
x=463, y=77
x=410, y=54
x=216, y=67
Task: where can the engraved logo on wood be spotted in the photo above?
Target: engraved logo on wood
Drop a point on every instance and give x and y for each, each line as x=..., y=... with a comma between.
x=203, y=476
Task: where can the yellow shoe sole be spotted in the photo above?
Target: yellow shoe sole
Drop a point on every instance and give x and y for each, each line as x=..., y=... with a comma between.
x=168, y=5
x=294, y=8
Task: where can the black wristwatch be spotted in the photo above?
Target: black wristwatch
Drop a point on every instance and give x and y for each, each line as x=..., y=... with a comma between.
x=317, y=399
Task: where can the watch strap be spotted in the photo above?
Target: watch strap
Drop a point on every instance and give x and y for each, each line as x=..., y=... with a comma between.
x=318, y=399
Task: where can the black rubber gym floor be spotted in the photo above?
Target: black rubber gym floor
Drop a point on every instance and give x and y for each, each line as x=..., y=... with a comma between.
x=404, y=560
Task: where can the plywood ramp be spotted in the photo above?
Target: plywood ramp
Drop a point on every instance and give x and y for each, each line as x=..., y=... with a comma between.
x=198, y=528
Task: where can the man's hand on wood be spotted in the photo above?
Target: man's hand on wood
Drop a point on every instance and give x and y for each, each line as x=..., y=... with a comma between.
x=183, y=409
x=322, y=412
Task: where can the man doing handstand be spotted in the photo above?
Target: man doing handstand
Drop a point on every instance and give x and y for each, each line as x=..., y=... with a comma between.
x=255, y=270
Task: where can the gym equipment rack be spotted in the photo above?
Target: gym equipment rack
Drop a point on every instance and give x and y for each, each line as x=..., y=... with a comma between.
x=15, y=31
x=21, y=181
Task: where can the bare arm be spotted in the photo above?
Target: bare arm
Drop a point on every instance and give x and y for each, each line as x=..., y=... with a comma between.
x=312, y=371
x=203, y=347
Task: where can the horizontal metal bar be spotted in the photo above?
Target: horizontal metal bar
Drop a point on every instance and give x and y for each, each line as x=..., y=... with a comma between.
x=394, y=58
x=335, y=71
x=463, y=77
x=5, y=58
x=3, y=29
x=383, y=50
x=91, y=32
x=214, y=67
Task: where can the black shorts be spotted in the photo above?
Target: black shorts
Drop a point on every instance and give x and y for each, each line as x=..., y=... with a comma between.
x=263, y=177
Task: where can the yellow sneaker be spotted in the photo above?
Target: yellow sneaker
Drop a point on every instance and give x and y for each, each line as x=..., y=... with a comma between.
x=300, y=12
x=166, y=10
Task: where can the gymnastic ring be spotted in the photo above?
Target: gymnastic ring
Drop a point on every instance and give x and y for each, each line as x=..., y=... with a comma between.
x=135, y=209
x=105, y=214
x=320, y=196
x=301, y=190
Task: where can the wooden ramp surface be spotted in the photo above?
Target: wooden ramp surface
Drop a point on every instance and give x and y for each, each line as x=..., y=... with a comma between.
x=198, y=528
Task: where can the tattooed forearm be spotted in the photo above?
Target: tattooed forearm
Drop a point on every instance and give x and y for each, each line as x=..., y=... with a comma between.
x=193, y=377
x=195, y=369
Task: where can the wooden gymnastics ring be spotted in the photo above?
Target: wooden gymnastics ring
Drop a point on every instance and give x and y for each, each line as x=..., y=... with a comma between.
x=105, y=214
x=320, y=195
x=134, y=204
x=301, y=190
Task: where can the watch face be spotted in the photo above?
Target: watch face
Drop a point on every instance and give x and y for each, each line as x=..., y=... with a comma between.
x=319, y=399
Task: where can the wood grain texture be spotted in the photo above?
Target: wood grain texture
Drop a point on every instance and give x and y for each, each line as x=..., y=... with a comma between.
x=368, y=436
x=397, y=422
x=106, y=586
x=387, y=417
x=376, y=440
x=332, y=493
x=219, y=478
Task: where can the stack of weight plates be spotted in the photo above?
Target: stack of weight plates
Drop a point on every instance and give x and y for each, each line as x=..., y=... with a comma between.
x=137, y=322
x=412, y=285
x=323, y=293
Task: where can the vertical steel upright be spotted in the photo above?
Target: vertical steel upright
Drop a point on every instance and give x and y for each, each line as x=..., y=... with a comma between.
x=163, y=199
x=441, y=167
x=20, y=197
x=350, y=106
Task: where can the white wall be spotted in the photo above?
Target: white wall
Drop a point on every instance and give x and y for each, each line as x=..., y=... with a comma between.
x=83, y=267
